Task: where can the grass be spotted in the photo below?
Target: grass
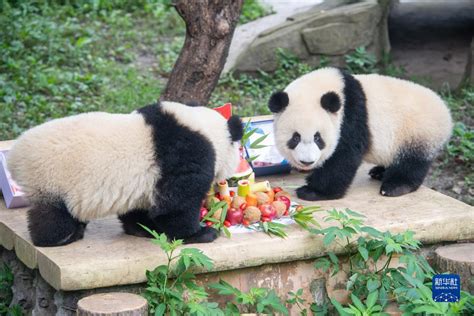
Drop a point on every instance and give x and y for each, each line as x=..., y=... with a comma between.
x=89, y=55
x=6, y=294
x=252, y=10
x=115, y=56
x=59, y=60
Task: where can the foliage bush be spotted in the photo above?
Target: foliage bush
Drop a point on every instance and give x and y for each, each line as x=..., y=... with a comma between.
x=172, y=289
x=252, y=10
x=6, y=294
x=372, y=281
x=59, y=60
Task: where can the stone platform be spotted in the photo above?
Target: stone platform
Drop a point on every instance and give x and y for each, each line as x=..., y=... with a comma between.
x=108, y=257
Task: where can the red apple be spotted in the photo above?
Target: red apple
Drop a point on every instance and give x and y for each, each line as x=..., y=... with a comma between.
x=268, y=211
x=285, y=200
x=234, y=216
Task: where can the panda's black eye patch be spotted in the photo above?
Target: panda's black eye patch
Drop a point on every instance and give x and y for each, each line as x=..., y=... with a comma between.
x=319, y=141
x=294, y=140
x=330, y=102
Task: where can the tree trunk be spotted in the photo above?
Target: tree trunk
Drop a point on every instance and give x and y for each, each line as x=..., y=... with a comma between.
x=210, y=25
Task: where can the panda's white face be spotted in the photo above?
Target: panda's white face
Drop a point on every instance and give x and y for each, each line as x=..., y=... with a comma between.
x=303, y=144
x=305, y=150
x=308, y=116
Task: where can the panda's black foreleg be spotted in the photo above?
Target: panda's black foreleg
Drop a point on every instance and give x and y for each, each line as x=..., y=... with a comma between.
x=184, y=224
x=332, y=180
x=405, y=175
x=132, y=219
x=50, y=224
x=178, y=205
x=377, y=172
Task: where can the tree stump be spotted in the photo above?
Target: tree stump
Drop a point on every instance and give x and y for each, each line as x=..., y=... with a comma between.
x=458, y=259
x=112, y=304
x=210, y=25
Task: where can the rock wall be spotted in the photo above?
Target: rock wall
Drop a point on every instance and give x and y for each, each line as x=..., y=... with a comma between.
x=331, y=29
x=36, y=297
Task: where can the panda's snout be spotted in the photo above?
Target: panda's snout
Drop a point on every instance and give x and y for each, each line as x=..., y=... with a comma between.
x=307, y=163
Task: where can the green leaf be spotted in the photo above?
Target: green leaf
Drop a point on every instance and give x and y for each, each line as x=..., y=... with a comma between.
x=160, y=310
x=226, y=232
x=256, y=143
x=371, y=231
x=360, y=306
x=224, y=288
x=339, y=308
x=353, y=213
x=363, y=252
x=333, y=258
x=274, y=229
x=250, y=159
x=328, y=238
x=81, y=41
x=351, y=281
x=231, y=309
x=197, y=257
x=322, y=263
x=372, y=285
x=427, y=309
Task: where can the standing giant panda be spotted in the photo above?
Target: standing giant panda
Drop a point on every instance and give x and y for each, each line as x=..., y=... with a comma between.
x=153, y=167
x=329, y=121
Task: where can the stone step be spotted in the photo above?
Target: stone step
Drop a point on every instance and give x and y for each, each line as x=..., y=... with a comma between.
x=107, y=257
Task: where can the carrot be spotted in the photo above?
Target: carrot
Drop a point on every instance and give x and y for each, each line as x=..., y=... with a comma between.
x=251, y=199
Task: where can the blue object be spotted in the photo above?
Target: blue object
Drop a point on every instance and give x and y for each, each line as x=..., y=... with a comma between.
x=279, y=168
x=446, y=288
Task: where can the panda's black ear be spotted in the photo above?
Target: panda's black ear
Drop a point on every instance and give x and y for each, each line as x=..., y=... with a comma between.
x=330, y=102
x=278, y=101
x=236, y=128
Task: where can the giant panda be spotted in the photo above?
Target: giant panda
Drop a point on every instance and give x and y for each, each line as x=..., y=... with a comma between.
x=328, y=122
x=153, y=167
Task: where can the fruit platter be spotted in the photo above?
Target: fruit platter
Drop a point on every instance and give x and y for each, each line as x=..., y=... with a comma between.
x=252, y=206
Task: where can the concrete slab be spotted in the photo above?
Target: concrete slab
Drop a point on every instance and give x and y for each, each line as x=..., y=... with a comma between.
x=108, y=257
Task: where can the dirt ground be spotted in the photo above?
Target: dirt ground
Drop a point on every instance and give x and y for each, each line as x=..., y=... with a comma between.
x=430, y=40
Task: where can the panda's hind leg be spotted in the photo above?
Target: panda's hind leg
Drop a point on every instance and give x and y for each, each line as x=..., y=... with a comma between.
x=406, y=174
x=132, y=219
x=51, y=224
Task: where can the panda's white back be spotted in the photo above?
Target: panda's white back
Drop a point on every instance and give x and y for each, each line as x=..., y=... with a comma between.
x=402, y=113
x=113, y=152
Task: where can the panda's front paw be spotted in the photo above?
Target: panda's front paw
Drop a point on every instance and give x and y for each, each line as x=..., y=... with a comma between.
x=377, y=172
x=308, y=194
x=204, y=235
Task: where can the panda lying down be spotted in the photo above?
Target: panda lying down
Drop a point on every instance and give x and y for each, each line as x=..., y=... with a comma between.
x=153, y=166
x=329, y=121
